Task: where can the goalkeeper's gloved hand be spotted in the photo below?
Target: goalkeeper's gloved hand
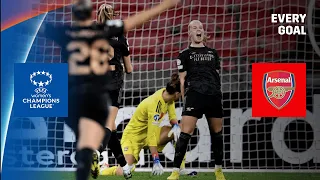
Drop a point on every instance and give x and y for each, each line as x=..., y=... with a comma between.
x=157, y=168
x=175, y=130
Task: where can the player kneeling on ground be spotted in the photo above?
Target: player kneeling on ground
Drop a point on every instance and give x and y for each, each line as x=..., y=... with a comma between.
x=143, y=130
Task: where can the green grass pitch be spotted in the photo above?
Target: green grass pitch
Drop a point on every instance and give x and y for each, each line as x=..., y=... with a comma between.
x=207, y=176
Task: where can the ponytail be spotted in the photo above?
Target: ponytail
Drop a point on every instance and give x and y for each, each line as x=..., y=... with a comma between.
x=205, y=38
x=105, y=13
x=174, y=85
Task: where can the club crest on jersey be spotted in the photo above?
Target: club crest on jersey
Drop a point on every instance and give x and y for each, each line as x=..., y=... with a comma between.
x=157, y=117
x=279, y=87
x=115, y=38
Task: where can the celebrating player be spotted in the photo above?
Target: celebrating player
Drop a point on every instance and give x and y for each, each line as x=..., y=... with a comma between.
x=201, y=89
x=86, y=48
x=104, y=14
x=143, y=129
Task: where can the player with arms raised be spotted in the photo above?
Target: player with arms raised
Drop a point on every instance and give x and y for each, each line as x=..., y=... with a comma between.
x=201, y=89
x=144, y=128
x=86, y=48
x=115, y=84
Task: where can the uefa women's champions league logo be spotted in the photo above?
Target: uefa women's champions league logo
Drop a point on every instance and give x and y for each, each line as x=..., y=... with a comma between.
x=41, y=98
x=41, y=84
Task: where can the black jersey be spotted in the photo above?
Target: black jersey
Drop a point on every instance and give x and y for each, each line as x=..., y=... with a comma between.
x=120, y=49
x=87, y=51
x=202, y=65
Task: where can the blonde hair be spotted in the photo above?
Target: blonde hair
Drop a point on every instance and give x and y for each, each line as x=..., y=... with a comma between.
x=205, y=37
x=105, y=13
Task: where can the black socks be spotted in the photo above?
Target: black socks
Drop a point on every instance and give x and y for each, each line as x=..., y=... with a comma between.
x=181, y=149
x=106, y=140
x=115, y=147
x=217, y=146
x=84, y=160
x=113, y=143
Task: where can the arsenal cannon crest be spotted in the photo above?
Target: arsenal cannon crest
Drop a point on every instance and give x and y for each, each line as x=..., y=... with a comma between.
x=279, y=87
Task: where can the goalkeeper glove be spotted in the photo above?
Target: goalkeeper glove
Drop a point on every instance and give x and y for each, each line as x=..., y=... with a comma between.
x=175, y=130
x=157, y=168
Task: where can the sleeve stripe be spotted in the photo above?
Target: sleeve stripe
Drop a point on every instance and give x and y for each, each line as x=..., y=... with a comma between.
x=158, y=107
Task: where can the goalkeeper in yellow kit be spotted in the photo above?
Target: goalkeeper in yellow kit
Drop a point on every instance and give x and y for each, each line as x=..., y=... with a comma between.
x=143, y=129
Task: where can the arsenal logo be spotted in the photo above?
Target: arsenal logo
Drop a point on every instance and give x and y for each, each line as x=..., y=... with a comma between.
x=279, y=87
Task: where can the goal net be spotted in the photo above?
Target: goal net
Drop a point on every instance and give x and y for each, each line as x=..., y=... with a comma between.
x=242, y=32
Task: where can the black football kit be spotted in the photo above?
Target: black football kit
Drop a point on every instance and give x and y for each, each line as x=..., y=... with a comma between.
x=87, y=51
x=116, y=75
x=202, y=82
x=203, y=96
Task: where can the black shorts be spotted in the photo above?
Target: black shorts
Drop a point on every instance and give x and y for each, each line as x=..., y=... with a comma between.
x=115, y=97
x=197, y=105
x=91, y=105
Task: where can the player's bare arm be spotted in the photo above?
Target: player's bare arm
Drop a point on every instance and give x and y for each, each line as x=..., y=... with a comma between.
x=105, y=13
x=137, y=20
x=127, y=60
x=182, y=76
x=127, y=64
x=153, y=149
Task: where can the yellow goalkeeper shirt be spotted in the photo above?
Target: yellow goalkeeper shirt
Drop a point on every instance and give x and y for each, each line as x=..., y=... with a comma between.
x=144, y=126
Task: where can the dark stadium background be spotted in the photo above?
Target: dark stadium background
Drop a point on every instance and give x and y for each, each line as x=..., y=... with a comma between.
x=154, y=61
